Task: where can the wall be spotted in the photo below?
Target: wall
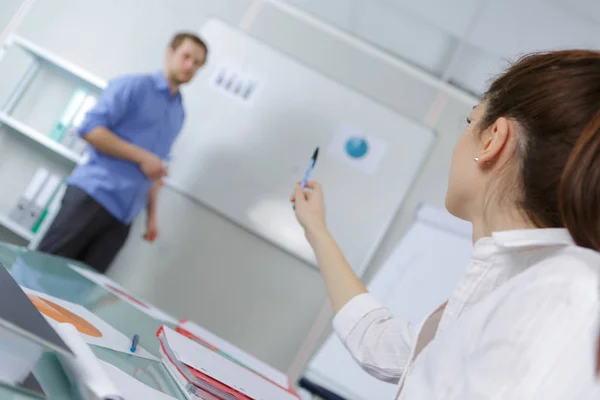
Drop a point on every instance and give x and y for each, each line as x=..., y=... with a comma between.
x=203, y=267
x=9, y=8
x=468, y=41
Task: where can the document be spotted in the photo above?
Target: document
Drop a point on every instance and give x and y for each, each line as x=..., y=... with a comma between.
x=124, y=294
x=93, y=329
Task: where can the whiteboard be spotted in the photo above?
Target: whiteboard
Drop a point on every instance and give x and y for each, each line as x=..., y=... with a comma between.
x=241, y=156
x=413, y=282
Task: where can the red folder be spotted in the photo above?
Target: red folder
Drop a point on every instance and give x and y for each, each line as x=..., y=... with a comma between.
x=205, y=379
x=190, y=335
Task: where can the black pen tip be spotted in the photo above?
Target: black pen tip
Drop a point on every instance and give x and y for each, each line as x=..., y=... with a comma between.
x=315, y=154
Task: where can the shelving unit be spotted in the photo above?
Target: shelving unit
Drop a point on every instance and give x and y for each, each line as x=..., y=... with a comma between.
x=40, y=138
x=41, y=58
x=48, y=59
x=16, y=228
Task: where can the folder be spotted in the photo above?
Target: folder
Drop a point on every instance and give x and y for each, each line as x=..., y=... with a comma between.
x=41, y=202
x=79, y=146
x=51, y=210
x=190, y=391
x=207, y=370
x=21, y=213
x=60, y=128
x=72, y=139
x=194, y=383
x=208, y=339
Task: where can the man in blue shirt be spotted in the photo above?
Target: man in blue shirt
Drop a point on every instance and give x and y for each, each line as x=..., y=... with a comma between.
x=131, y=131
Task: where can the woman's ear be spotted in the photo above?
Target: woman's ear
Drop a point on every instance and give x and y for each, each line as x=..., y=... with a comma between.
x=495, y=139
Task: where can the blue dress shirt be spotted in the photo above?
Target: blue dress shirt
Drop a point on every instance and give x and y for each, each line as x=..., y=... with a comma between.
x=141, y=110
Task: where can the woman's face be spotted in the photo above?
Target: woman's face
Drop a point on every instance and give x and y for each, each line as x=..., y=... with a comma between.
x=466, y=183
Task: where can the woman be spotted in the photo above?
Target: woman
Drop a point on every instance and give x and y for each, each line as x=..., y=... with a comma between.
x=522, y=322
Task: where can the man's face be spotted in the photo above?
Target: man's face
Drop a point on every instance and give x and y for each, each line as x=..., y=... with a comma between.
x=183, y=62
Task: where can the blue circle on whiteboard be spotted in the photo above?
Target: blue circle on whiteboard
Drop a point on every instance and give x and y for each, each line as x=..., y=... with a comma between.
x=357, y=147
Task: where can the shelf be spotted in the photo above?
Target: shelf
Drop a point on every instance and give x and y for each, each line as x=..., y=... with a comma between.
x=16, y=228
x=40, y=138
x=58, y=63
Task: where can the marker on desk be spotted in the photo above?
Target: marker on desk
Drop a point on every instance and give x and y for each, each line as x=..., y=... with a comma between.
x=313, y=161
x=134, y=343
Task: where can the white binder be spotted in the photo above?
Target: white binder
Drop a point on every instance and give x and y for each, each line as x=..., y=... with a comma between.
x=24, y=211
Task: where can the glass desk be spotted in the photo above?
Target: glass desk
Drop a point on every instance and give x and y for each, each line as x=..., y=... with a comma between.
x=51, y=275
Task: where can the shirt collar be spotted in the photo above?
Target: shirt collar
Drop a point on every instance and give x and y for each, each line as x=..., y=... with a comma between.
x=496, y=259
x=532, y=238
x=520, y=239
x=161, y=83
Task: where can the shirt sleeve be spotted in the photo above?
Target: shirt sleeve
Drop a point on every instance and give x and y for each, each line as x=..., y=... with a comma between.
x=531, y=343
x=114, y=103
x=378, y=341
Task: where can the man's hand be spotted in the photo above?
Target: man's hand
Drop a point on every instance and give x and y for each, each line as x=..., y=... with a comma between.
x=151, y=230
x=107, y=142
x=153, y=167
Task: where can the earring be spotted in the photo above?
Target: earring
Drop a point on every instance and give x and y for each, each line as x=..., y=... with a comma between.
x=476, y=159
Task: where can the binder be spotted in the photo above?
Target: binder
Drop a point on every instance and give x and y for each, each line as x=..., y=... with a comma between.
x=206, y=370
x=60, y=128
x=24, y=213
x=79, y=146
x=49, y=213
x=213, y=342
x=186, y=388
x=72, y=139
x=39, y=210
x=193, y=383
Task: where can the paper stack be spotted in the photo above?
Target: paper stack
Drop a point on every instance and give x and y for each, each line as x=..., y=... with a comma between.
x=203, y=373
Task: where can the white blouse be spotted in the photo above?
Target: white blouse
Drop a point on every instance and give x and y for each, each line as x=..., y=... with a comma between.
x=522, y=323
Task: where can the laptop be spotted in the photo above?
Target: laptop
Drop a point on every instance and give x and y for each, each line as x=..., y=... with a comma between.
x=25, y=336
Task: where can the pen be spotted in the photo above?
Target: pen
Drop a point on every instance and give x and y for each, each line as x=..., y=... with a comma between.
x=313, y=161
x=311, y=165
x=134, y=343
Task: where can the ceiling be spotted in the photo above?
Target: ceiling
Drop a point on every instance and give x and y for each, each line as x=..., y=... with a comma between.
x=465, y=42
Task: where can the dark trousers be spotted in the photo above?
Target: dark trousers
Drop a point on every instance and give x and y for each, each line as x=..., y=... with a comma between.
x=83, y=230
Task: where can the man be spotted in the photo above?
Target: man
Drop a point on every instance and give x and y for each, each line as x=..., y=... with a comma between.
x=131, y=131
